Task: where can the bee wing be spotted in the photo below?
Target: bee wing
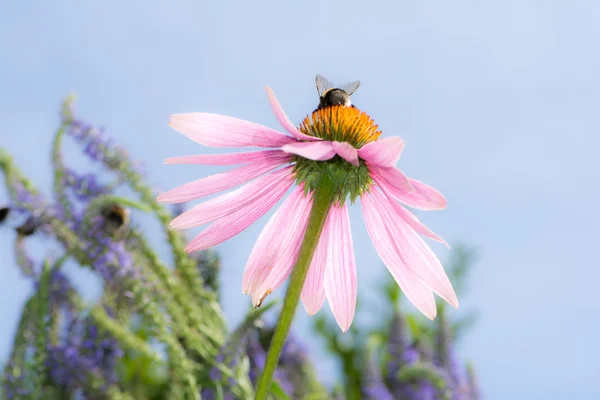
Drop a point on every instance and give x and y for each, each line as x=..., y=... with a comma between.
x=323, y=84
x=350, y=87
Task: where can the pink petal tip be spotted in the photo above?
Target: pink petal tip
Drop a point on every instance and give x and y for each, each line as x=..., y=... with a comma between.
x=284, y=120
x=383, y=153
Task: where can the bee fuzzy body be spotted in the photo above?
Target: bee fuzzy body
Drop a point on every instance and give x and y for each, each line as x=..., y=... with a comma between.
x=330, y=95
x=116, y=221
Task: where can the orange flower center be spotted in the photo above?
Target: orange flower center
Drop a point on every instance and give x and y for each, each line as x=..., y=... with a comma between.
x=342, y=124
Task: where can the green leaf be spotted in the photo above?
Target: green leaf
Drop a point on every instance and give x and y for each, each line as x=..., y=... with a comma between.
x=219, y=390
x=255, y=314
x=278, y=391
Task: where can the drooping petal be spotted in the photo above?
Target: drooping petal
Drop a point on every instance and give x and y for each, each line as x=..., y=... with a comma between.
x=215, y=130
x=340, y=274
x=229, y=226
x=313, y=292
x=228, y=203
x=383, y=153
x=346, y=151
x=392, y=177
x=276, y=249
x=413, y=251
x=422, y=197
x=223, y=181
x=261, y=255
x=284, y=120
x=224, y=159
x=415, y=291
x=413, y=221
x=416, y=223
x=286, y=252
x=312, y=150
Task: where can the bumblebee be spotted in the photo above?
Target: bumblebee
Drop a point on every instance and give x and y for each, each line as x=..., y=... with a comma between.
x=116, y=221
x=4, y=211
x=331, y=95
x=28, y=227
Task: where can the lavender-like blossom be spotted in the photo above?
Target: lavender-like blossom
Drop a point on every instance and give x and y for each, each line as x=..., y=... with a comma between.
x=84, y=354
x=109, y=258
x=294, y=352
x=396, y=349
x=60, y=289
x=25, y=201
x=30, y=208
x=98, y=146
x=230, y=356
x=418, y=371
x=292, y=365
x=80, y=351
x=258, y=357
x=83, y=186
x=374, y=387
x=211, y=394
x=257, y=354
x=15, y=382
x=419, y=391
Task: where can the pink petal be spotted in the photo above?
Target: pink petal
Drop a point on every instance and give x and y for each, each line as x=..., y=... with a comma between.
x=415, y=291
x=284, y=120
x=346, y=151
x=223, y=181
x=340, y=274
x=313, y=292
x=416, y=224
x=413, y=221
x=312, y=150
x=276, y=250
x=228, y=203
x=224, y=159
x=229, y=226
x=413, y=251
x=392, y=177
x=258, y=262
x=384, y=153
x=422, y=197
x=287, y=251
x=215, y=130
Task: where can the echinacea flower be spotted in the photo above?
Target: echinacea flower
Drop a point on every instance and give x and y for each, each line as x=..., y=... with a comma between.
x=341, y=142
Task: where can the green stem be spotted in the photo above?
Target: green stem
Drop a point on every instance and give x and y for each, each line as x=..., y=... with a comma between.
x=323, y=198
x=41, y=331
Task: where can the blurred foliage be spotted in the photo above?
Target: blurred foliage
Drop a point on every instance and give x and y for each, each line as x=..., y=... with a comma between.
x=406, y=356
x=157, y=330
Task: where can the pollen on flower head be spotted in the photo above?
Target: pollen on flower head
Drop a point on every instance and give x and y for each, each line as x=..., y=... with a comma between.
x=342, y=124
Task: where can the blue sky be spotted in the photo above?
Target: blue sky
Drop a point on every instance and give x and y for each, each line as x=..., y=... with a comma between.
x=498, y=103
